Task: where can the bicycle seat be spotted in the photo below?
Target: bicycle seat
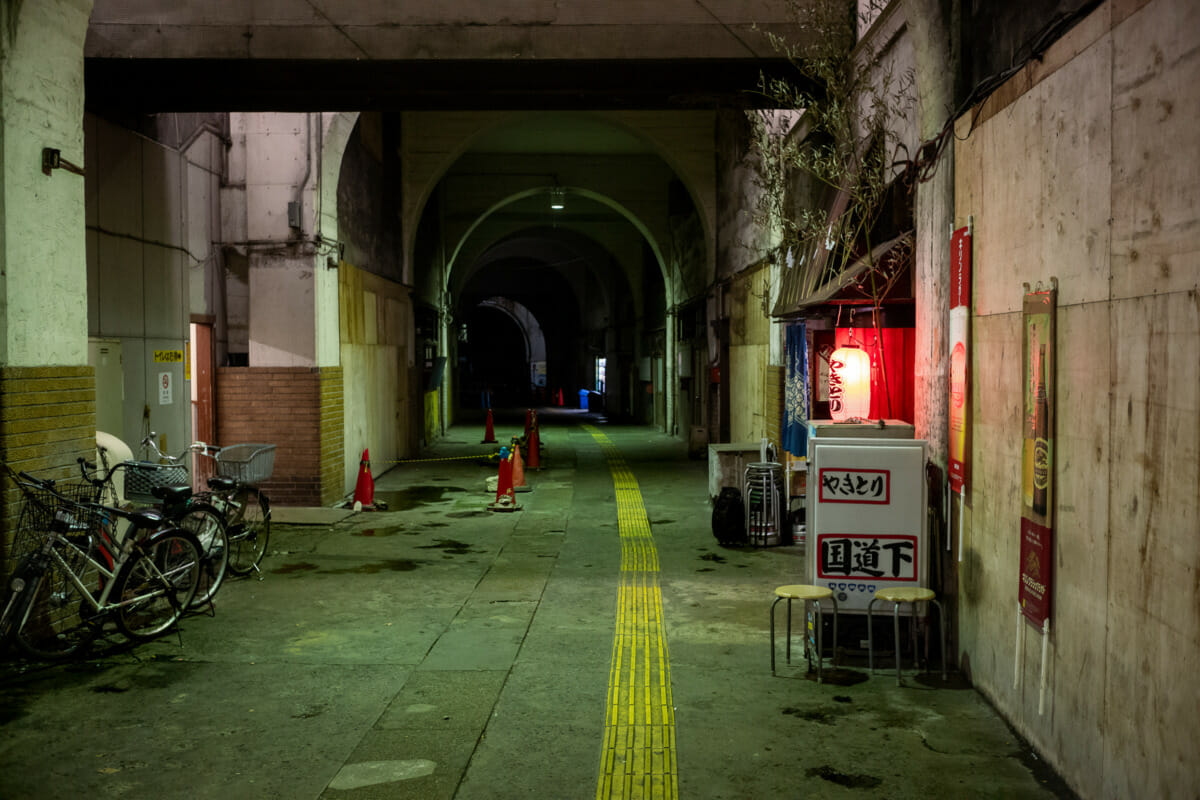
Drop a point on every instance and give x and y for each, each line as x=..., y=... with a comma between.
x=172, y=494
x=219, y=484
x=147, y=518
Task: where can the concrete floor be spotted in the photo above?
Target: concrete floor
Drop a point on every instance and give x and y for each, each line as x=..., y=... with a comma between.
x=441, y=650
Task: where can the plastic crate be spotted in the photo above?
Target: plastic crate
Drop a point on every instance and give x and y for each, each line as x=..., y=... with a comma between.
x=246, y=463
x=143, y=477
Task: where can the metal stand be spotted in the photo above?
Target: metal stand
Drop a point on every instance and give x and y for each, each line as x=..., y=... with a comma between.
x=763, y=493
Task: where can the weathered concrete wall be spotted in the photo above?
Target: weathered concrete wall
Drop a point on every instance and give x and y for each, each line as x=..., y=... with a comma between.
x=276, y=160
x=541, y=29
x=753, y=408
x=139, y=283
x=47, y=394
x=1073, y=170
x=43, y=301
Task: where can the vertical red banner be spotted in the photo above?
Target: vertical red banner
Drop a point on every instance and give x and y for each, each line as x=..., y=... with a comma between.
x=960, y=350
x=1037, y=474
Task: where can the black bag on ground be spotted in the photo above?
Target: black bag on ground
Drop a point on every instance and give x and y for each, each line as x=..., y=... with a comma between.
x=729, y=517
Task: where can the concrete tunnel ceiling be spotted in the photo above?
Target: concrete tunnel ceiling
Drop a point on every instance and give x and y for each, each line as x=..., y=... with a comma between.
x=593, y=274
x=502, y=184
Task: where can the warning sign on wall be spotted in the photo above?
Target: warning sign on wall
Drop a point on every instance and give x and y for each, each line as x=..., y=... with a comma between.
x=164, y=389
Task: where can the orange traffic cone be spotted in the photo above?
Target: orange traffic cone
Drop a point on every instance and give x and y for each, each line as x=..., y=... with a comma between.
x=506, y=500
x=528, y=422
x=534, y=443
x=489, y=435
x=518, y=470
x=364, y=489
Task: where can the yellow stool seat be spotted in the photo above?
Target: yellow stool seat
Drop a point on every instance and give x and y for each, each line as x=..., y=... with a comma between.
x=801, y=591
x=907, y=594
x=911, y=595
x=806, y=594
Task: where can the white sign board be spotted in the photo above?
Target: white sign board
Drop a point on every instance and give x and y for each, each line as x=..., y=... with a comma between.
x=866, y=517
x=164, y=389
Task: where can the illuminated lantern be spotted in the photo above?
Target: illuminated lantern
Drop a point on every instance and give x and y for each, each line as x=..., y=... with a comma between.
x=849, y=383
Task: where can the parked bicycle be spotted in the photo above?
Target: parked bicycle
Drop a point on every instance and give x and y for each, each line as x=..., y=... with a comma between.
x=79, y=575
x=234, y=492
x=168, y=488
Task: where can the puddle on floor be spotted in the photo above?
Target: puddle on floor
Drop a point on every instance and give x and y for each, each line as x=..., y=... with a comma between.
x=449, y=546
x=413, y=496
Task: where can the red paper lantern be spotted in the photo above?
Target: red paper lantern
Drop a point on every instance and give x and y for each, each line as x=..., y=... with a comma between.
x=849, y=383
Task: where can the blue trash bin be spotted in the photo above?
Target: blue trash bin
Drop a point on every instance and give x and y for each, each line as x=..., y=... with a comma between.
x=583, y=399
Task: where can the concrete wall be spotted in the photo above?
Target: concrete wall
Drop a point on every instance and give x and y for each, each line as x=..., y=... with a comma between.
x=509, y=29
x=752, y=407
x=142, y=225
x=43, y=305
x=276, y=160
x=47, y=394
x=1075, y=169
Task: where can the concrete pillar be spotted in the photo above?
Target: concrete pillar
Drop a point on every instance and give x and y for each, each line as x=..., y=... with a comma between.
x=672, y=375
x=934, y=213
x=293, y=279
x=278, y=163
x=47, y=390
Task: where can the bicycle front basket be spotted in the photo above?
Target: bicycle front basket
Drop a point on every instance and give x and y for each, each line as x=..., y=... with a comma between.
x=142, y=477
x=246, y=463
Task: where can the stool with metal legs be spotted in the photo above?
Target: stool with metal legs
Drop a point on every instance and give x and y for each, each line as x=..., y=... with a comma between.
x=912, y=596
x=809, y=594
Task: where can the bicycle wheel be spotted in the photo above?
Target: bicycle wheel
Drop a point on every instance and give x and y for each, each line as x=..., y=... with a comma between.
x=154, y=588
x=48, y=623
x=208, y=526
x=249, y=529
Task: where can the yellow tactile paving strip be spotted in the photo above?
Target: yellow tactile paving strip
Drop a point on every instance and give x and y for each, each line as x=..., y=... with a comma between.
x=638, y=759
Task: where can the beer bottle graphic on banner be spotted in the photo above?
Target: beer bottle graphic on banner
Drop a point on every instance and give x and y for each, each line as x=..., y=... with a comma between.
x=1033, y=347
x=1041, y=438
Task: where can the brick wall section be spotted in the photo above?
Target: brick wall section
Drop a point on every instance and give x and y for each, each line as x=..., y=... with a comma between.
x=333, y=448
x=47, y=420
x=292, y=408
x=773, y=406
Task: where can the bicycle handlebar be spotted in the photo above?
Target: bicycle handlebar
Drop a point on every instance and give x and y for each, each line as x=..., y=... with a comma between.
x=202, y=448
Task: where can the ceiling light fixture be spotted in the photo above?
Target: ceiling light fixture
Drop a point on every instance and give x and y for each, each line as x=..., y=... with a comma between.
x=558, y=199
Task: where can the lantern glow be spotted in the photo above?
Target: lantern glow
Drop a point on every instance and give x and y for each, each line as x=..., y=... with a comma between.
x=849, y=383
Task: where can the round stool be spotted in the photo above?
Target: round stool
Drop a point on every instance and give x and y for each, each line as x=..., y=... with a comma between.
x=809, y=594
x=911, y=595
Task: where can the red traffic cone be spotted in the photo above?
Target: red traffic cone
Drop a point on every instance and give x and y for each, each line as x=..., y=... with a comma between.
x=506, y=500
x=364, y=489
x=489, y=435
x=518, y=470
x=528, y=422
x=534, y=443
x=559, y=399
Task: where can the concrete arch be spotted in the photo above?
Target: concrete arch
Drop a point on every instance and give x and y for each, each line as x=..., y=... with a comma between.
x=535, y=340
x=552, y=241
x=516, y=197
x=632, y=123
x=336, y=130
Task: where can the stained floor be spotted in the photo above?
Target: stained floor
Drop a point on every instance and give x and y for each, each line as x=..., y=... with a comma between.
x=442, y=650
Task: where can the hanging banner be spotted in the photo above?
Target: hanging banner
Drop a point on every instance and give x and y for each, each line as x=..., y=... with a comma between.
x=960, y=348
x=795, y=394
x=1037, y=474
